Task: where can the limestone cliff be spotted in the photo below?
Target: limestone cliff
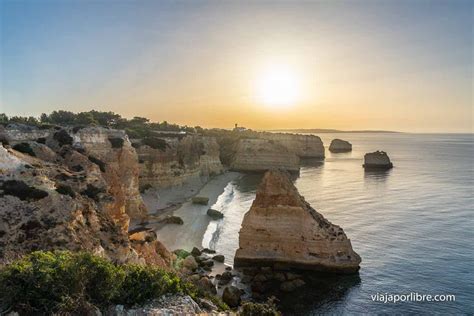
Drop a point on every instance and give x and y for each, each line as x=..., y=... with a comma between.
x=256, y=154
x=282, y=230
x=304, y=146
x=171, y=161
x=71, y=189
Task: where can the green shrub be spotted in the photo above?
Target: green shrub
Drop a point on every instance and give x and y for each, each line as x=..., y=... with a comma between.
x=45, y=282
x=155, y=143
x=65, y=190
x=24, y=148
x=260, y=309
x=143, y=283
x=65, y=282
x=116, y=142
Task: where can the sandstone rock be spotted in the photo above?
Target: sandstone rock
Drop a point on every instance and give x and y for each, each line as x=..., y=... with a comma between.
x=340, y=146
x=259, y=155
x=183, y=159
x=304, y=146
x=378, y=160
x=282, y=230
x=231, y=296
x=214, y=214
x=203, y=200
x=85, y=208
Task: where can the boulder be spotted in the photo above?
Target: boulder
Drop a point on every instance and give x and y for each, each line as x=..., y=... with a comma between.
x=171, y=219
x=232, y=296
x=225, y=278
x=206, y=285
x=281, y=230
x=214, y=214
x=340, y=146
x=200, y=200
x=209, y=251
x=196, y=252
x=218, y=258
x=378, y=160
x=190, y=263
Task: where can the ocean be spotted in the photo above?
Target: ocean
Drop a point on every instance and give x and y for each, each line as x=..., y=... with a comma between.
x=412, y=225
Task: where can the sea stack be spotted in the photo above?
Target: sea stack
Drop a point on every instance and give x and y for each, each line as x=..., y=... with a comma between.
x=378, y=160
x=340, y=146
x=281, y=230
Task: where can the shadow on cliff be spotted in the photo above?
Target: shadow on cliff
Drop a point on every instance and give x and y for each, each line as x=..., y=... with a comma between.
x=320, y=290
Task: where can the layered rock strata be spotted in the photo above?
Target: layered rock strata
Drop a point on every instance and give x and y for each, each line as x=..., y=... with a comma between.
x=281, y=230
x=256, y=154
x=304, y=146
x=72, y=189
x=173, y=161
x=340, y=146
x=378, y=160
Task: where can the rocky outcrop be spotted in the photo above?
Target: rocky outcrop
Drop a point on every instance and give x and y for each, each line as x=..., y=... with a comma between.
x=172, y=161
x=281, y=230
x=378, y=160
x=74, y=190
x=340, y=146
x=256, y=154
x=173, y=304
x=304, y=146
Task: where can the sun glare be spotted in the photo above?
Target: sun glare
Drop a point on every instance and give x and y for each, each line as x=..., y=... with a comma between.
x=278, y=86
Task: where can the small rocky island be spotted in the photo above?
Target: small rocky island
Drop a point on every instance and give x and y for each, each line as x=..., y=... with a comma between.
x=281, y=230
x=378, y=160
x=340, y=146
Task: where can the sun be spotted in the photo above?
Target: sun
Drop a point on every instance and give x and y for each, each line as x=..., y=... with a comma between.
x=278, y=87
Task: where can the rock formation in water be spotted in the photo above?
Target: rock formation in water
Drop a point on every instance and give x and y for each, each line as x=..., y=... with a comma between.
x=174, y=160
x=255, y=154
x=281, y=230
x=378, y=160
x=71, y=189
x=340, y=146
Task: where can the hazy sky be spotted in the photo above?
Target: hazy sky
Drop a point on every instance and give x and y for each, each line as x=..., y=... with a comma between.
x=396, y=65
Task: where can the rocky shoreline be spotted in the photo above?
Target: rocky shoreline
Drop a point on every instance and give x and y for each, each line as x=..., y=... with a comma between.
x=91, y=188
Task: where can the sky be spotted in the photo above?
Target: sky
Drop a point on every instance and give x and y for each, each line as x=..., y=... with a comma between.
x=391, y=65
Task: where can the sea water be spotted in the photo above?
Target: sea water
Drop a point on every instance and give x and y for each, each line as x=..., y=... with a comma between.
x=412, y=225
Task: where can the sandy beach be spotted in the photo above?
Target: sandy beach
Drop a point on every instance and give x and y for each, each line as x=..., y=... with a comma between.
x=176, y=201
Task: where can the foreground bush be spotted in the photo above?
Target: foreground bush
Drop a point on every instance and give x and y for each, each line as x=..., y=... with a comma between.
x=66, y=282
x=260, y=309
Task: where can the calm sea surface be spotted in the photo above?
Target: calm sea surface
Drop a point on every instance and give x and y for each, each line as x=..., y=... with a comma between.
x=412, y=226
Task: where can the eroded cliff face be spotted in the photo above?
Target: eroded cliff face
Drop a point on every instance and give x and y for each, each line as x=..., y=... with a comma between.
x=283, y=231
x=275, y=150
x=72, y=190
x=256, y=154
x=304, y=146
x=176, y=161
